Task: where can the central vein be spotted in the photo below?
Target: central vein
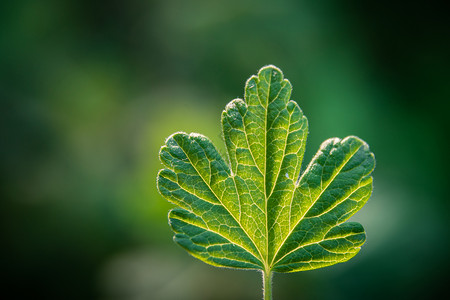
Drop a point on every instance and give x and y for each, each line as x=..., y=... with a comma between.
x=265, y=172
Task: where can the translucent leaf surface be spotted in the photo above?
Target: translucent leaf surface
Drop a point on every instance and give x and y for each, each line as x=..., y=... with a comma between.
x=253, y=209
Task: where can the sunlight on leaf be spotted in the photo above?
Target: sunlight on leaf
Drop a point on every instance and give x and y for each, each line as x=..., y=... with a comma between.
x=254, y=210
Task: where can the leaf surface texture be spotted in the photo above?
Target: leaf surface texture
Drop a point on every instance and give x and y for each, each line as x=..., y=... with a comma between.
x=253, y=209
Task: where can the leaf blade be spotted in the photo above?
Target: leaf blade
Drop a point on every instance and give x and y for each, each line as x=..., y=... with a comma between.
x=334, y=186
x=346, y=243
x=258, y=212
x=187, y=183
x=208, y=245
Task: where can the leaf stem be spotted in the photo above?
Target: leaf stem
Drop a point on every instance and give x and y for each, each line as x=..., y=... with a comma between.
x=267, y=284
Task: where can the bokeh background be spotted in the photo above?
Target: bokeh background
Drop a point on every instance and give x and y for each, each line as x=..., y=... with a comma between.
x=89, y=91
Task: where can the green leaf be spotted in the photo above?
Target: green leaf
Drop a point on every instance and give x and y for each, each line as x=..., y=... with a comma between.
x=253, y=210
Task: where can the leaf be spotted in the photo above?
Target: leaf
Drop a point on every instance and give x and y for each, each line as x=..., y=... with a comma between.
x=254, y=210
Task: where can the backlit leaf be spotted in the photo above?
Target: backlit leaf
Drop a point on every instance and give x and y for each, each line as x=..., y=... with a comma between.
x=253, y=209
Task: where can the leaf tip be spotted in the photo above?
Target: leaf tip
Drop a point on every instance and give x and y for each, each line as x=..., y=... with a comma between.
x=272, y=68
x=271, y=72
x=173, y=135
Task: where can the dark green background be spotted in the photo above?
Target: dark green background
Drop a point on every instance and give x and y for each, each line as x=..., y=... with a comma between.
x=89, y=90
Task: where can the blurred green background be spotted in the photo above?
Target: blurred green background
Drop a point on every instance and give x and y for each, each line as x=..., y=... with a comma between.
x=89, y=91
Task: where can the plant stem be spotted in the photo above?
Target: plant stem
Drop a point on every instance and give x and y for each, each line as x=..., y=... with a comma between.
x=267, y=283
